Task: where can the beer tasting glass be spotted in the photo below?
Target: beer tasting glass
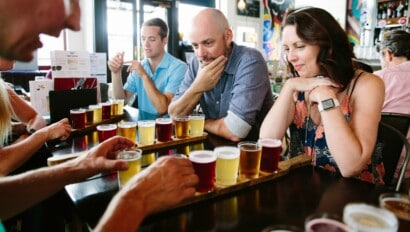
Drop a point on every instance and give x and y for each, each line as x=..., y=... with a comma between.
x=106, y=131
x=133, y=157
x=318, y=222
x=97, y=113
x=114, y=107
x=250, y=159
x=77, y=118
x=89, y=116
x=146, y=132
x=271, y=150
x=120, y=109
x=204, y=163
x=368, y=218
x=106, y=110
x=196, y=124
x=181, y=126
x=227, y=164
x=128, y=129
x=163, y=128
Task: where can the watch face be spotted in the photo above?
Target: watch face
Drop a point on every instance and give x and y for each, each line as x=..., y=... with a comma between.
x=328, y=104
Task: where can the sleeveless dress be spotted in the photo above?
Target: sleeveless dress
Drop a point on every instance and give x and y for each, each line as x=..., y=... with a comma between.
x=308, y=138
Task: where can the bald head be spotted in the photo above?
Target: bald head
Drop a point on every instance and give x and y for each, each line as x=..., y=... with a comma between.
x=211, y=18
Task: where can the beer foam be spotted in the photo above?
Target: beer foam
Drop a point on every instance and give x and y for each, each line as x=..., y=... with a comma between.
x=163, y=120
x=227, y=152
x=106, y=127
x=146, y=123
x=202, y=156
x=270, y=142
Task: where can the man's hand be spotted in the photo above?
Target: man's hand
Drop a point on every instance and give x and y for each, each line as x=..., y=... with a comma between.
x=115, y=64
x=209, y=75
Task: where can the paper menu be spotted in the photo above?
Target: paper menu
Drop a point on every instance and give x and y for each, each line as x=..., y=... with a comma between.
x=70, y=63
x=39, y=90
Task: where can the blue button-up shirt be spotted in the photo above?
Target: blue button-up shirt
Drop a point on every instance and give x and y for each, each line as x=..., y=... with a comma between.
x=243, y=94
x=167, y=78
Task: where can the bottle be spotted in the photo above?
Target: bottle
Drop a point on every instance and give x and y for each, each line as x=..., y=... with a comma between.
x=384, y=12
x=399, y=10
x=380, y=11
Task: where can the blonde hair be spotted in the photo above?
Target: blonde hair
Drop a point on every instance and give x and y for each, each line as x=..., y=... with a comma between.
x=6, y=113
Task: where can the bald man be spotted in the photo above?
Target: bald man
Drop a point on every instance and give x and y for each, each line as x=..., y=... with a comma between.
x=228, y=81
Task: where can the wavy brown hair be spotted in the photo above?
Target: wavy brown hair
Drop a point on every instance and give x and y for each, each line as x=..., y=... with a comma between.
x=316, y=26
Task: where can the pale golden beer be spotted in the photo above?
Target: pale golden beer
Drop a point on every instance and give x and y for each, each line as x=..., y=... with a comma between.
x=181, y=127
x=227, y=165
x=146, y=132
x=148, y=159
x=133, y=158
x=128, y=130
x=97, y=113
x=196, y=124
x=250, y=159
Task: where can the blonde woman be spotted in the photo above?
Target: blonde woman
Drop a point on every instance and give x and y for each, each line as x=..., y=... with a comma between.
x=14, y=108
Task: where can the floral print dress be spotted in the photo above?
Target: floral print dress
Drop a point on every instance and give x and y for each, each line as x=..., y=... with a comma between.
x=308, y=138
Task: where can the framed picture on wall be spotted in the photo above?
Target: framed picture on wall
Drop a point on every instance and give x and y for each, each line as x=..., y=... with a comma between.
x=248, y=8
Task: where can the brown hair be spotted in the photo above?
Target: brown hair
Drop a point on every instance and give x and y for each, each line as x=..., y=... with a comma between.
x=316, y=26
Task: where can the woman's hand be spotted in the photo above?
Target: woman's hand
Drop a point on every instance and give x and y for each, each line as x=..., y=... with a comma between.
x=302, y=84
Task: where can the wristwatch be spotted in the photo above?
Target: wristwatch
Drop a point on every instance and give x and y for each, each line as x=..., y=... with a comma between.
x=30, y=131
x=328, y=104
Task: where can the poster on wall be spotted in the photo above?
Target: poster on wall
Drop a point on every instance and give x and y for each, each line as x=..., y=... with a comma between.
x=274, y=12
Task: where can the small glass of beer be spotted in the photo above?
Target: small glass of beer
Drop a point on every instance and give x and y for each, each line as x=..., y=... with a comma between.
x=204, y=163
x=271, y=150
x=128, y=129
x=250, y=159
x=133, y=157
x=106, y=131
x=146, y=132
x=227, y=164
x=196, y=124
x=77, y=118
x=163, y=128
x=181, y=126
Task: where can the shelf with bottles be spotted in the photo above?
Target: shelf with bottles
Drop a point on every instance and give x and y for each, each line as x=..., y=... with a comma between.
x=391, y=13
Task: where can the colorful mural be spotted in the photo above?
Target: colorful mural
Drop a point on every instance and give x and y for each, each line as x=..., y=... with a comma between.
x=274, y=12
x=354, y=12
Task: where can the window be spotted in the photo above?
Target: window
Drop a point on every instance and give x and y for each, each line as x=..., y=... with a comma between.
x=50, y=43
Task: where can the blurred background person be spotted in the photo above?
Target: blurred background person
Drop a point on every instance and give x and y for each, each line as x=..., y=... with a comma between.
x=394, y=49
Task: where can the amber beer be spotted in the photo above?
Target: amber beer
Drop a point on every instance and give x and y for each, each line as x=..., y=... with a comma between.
x=250, y=159
x=128, y=130
x=181, y=127
x=89, y=116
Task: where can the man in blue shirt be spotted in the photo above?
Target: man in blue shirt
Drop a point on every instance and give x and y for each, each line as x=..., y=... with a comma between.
x=155, y=79
x=230, y=82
